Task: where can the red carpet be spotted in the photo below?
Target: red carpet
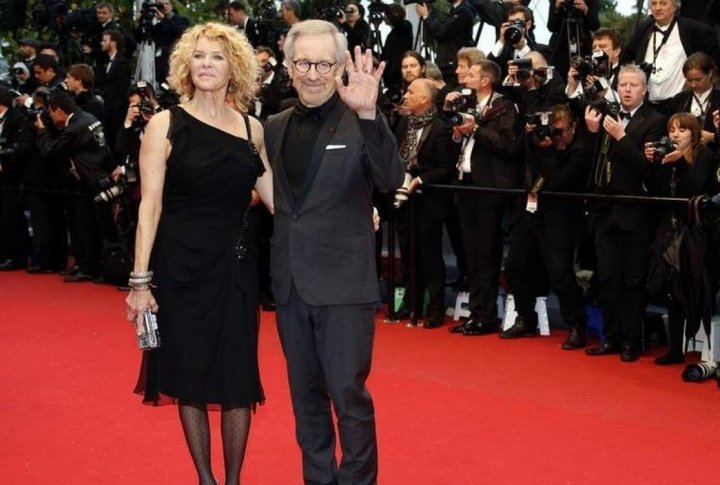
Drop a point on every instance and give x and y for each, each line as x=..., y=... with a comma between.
x=450, y=409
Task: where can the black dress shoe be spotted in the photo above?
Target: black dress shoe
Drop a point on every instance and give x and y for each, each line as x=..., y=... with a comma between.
x=476, y=327
x=433, y=323
x=79, y=277
x=71, y=271
x=37, y=269
x=10, y=265
x=670, y=358
x=458, y=328
x=606, y=348
x=402, y=314
x=577, y=339
x=522, y=328
x=629, y=353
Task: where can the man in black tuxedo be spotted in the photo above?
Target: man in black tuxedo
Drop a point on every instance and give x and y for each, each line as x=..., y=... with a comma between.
x=490, y=157
x=429, y=156
x=92, y=35
x=450, y=35
x=15, y=150
x=167, y=27
x=238, y=17
x=114, y=83
x=664, y=41
x=545, y=232
x=623, y=231
x=328, y=153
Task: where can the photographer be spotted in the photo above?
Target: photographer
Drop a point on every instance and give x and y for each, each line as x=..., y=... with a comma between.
x=532, y=86
x=354, y=26
x=545, y=232
x=80, y=80
x=623, y=231
x=429, y=154
x=600, y=70
x=686, y=168
x=491, y=140
x=158, y=23
x=495, y=12
x=47, y=71
x=92, y=36
x=238, y=17
x=23, y=80
x=516, y=39
x=398, y=41
x=466, y=57
x=82, y=142
x=450, y=35
x=571, y=23
x=16, y=144
x=662, y=43
x=273, y=84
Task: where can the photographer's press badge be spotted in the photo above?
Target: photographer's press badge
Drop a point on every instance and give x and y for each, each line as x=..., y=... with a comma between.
x=532, y=203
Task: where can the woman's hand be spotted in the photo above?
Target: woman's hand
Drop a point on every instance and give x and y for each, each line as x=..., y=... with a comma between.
x=137, y=303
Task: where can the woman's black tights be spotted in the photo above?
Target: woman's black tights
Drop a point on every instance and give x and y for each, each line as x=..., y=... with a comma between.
x=235, y=424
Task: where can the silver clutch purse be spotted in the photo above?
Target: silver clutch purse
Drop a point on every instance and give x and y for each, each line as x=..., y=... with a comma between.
x=150, y=337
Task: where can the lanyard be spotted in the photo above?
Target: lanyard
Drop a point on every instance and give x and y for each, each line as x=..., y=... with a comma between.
x=666, y=36
x=703, y=109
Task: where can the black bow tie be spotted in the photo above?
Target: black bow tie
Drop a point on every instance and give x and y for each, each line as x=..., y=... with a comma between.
x=659, y=29
x=303, y=112
x=625, y=115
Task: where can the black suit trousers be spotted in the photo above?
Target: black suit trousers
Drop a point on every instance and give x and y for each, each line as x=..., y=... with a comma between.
x=14, y=235
x=329, y=351
x=535, y=248
x=50, y=230
x=481, y=224
x=622, y=261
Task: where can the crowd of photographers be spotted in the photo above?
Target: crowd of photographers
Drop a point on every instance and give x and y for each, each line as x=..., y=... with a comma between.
x=590, y=112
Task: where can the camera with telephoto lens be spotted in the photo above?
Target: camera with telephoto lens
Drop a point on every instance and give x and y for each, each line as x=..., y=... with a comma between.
x=145, y=105
x=402, y=193
x=601, y=105
x=461, y=107
x=515, y=32
x=597, y=64
x=662, y=147
x=542, y=128
x=376, y=11
x=109, y=189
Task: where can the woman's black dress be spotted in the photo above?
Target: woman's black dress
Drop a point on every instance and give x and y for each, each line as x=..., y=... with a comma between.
x=206, y=274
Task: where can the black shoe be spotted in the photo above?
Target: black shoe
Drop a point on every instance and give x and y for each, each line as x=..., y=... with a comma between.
x=521, y=328
x=79, y=277
x=402, y=314
x=460, y=328
x=629, y=353
x=577, y=339
x=10, y=265
x=71, y=271
x=606, y=348
x=670, y=358
x=433, y=323
x=37, y=269
x=477, y=327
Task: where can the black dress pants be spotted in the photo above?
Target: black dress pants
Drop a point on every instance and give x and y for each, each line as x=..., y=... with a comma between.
x=622, y=260
x=15, y=238
x=535, y=244
x=329, y=351
x=481, y=224
x=50, y=230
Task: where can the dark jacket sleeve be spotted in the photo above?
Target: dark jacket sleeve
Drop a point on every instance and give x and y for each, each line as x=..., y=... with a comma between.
x=456, y=23
x=502, y=137
x=440, y=156
x=380, y=154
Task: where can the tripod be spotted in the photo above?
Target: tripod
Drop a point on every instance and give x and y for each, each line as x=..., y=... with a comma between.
x=424, y=44
x=375, y=40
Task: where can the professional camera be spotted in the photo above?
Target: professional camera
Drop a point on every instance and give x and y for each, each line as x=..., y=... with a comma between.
x=376, y=12
x=393, y=95
x=662, y=147
x=525, y=68
x=145, y=105
x=601, y=105
x=147, y=15
x=543, y=129
x=514, y=32
x=109, y=189
x=460, y=107
x=402, y=193
x=597, y=64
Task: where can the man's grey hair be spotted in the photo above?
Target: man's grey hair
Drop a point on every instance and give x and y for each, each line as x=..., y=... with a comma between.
x=314, y=28
x=633, y=69
x=432, y=71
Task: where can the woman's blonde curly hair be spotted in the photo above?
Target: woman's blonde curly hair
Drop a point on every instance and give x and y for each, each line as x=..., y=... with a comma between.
x=244, y=68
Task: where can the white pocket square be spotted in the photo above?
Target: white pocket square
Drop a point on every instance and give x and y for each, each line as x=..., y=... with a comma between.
x=335, y=147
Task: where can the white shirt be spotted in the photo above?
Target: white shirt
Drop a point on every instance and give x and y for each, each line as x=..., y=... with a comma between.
x=517, y=53
x=465, y=166
x=699, y=103
x=668, y=79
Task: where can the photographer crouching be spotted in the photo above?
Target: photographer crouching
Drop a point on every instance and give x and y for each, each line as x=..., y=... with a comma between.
x=546, y=231
x=80, y=142
x=428, y=153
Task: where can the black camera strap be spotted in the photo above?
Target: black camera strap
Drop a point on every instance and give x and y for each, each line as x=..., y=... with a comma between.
x=665, y=37
x=703, y=107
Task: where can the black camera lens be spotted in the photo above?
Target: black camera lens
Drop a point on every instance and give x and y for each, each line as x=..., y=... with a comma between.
x=513, y=34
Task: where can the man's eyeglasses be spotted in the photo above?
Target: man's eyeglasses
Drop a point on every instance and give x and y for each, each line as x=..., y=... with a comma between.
x=322, y=67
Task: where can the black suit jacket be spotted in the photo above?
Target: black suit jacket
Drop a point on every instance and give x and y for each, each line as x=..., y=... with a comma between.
x=452, y=34
x=682, y=102
x=18, y=133
x=114, y=84
x=437, y=156
x=324, y=242
x=695, y=36
x=632, y=173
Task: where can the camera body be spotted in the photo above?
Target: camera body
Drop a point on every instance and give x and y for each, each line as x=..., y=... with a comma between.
x=403, y=192
x=525, y=68
x=461, y=107
x=543, y=129
x=515, y=32
x=662, y=147
x=376, y=12
x=597, y=64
